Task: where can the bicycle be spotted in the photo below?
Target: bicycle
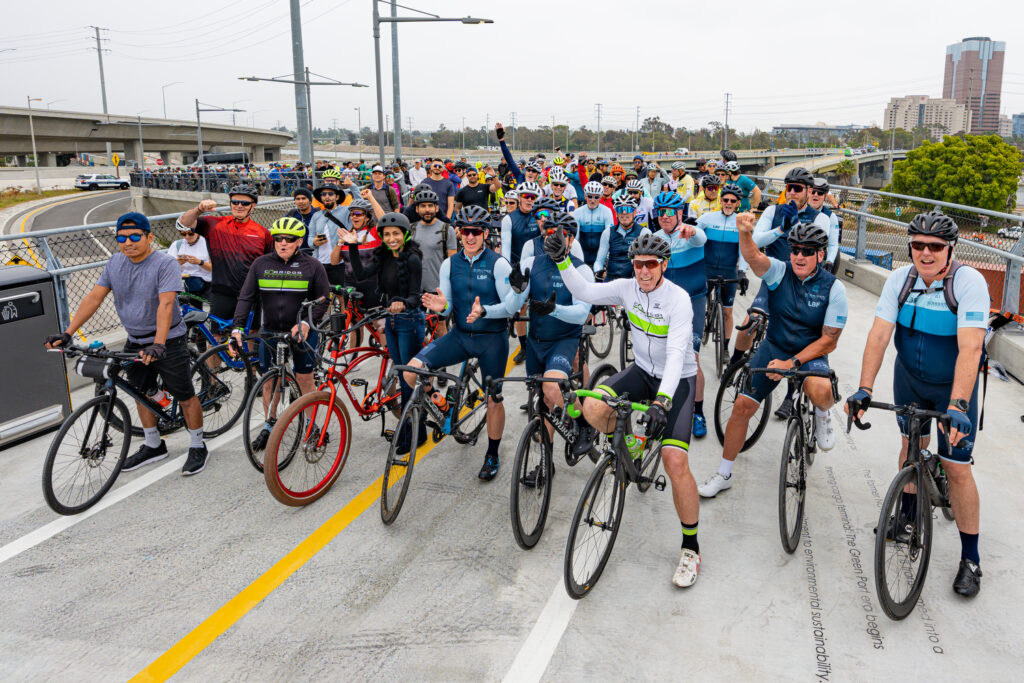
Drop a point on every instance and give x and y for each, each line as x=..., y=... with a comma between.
x=903, y=547
x=464, y=416
x=86, y=449
x=604, y=321
x=599, y=512
x=714, y=322
x=625, y=340
x=798, y=450
x=311, y=415
x=735, y=379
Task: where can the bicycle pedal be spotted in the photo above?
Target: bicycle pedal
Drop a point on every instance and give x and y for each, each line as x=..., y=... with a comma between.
x=389, y=434
x=659, y=483
x=357, y=382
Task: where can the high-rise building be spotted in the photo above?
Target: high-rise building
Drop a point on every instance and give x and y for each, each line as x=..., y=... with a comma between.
x=939, y=116
x=1005, y=127
x=974, y=77
x=1018, y=125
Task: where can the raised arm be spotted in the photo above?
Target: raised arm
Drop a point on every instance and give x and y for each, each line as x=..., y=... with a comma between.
x=578, y=311
x=507, y=307
x=759, y=263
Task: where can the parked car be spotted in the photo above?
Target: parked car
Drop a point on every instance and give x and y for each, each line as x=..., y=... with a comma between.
x=1011, y=233
x=100, y=181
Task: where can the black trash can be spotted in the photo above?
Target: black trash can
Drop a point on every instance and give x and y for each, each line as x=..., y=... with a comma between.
x=34, y=397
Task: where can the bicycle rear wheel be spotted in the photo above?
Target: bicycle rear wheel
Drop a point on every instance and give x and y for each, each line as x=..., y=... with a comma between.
x=398, y=467
x=530, y=496
x=474, y=400
x=267, y=402
x=903, y=548
x=599, y=376
x=221, y=388
x=308, y=449
x=86, y=455
x=721, y=349
x=601, y=341
x=595, y=525
x=729, y=388
x=709, y=319
x=792, y=486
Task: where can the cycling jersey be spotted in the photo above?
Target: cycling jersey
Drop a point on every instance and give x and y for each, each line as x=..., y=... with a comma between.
x=926, y=329
x=722, y=251
x=769, y=231
x=746, y=186
x=570, y=313
x=833, y=234
x=517, y=228
x=686, y=265
x=613, y=254
x=233, y=248
x=594, y=224
x=684, y=186
x=801, y=308
x=661, y=323
x=701, y=205
x=484, y=275
x=280, y=287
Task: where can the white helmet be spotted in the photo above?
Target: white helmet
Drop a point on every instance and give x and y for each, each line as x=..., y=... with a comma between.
x=593, y=187
x=557, y=175
x=511, y=194
x=529, y=187
x=679, y=166
x=732, y=166
x=634, y=185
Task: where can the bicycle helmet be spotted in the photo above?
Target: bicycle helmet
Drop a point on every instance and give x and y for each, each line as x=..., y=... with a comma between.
x=935, y=224
x=616, y=168
x=649, y=244
x=394, y=220
x=800, y=175
x=609, y=181
x=427, y=196
x=286, y=225
x=533, y=166
x=557, y=175
x=472, y=216
x=820, y=184
x=808, y=234
x=634, y=185
x=246, y=190
x=732, y=166
x=710, y=180
x=733, y=189
x=529, y=187
x=625, y=200
x=566, y=221
x=668, y=200
x=593, y=187
x=711, y=162
x=361, y=204
x=558, y=161
x=728, y=155
x=652, y=167
x=511, y=195
x=331, y=173
x=630, y=174
x=460, y=166
x=678, y=166
x=549, y=203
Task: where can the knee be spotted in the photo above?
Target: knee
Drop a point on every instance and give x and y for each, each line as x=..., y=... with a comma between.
x=552, y=395
x=744, y=407
x=958, y=473
x=677, y=464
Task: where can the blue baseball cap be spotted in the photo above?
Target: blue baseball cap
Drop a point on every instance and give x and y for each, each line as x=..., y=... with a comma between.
x=638, y=156
x=141, y=222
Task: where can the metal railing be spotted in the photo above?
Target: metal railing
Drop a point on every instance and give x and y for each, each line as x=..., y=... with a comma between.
x=881, y=219
x=74, y=257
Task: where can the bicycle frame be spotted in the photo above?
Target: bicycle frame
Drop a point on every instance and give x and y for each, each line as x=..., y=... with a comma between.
x=623, y=411
x=335, y=377
x=446, y=421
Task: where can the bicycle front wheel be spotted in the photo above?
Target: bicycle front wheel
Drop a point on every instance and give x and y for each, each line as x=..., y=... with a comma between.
x=601, y=341
x=625, y=347
x=398, y=467
x=308, y=449
x=530, y=496
x=721, y=343
x=709, y=320
x=903, y=547
x=472, y=412
x=792, y=486
x=86, y=455
x=595, y=525
x=650, y=460
x=266, y=403
x=222, y=387
x=728, y=390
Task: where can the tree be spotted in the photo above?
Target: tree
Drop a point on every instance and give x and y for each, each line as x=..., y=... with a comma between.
x=845, y=171
x=976, y=170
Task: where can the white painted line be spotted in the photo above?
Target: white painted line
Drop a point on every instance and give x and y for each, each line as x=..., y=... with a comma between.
x=48, y=531
x=536, y=653
x=85, y=219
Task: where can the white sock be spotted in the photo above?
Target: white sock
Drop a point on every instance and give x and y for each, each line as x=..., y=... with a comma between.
x=152, y=435
x=819, y=412
x=197, y=438
x=725, y=468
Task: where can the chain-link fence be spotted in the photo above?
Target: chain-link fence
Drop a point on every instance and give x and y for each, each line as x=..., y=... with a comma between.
x=875, y=229
x=75, y=256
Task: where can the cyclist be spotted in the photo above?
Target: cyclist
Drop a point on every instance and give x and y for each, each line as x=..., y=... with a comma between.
x=750, y=192
x=777, y=219
x=278, y=283
x=808, y=312
x=644, y=204
x=235, y=241
x=435, y=237
x=321, y=237
x=612, y=262
x=595, y=221
x=609, y=185
x=481, y=301
x=473, y=192
x=652, y=181
x=722, y=256
x=664, y=370
x=707, y=199
x=194, y=259
x=544, y=210
x=556, y=321
x=304, y=209
x=145, y=284
x=816, y=198
x=686, y=269
x=517, y=228
x=559, y=189
x=531, y=171
x=938, y=309
x=681, y=181
x=639, y=167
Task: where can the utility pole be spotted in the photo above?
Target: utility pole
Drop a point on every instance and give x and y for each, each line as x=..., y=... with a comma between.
x=309, y=115
x=598, y=105
x=513, y=131
x=552, y=133
x=360, y=134
x=334, y=130
x=725, y=129
x=408, y=121
x=387, y=129
x=395, y=92
x=566, y=136
x=463, y=136
x=301, y=97
x=636, y=132
x=103, y=80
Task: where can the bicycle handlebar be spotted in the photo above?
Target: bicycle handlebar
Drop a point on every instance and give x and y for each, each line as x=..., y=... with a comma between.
x=424, y=372
x=617, y=402
x=911, y=411
x=755, y=319
x=797, y=374
x=98, y=352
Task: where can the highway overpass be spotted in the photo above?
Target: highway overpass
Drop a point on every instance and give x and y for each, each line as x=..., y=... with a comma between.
x=62, y=134
x=872, y=168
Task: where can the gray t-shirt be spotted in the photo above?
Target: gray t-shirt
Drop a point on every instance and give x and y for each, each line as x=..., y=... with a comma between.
x=137, y=288
x=429, y=239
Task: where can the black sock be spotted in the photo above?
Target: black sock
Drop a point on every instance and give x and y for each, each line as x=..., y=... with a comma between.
x=522, y=341
x=908, y=501
x=698, y=407
x=581, y=421
x=492, y=446
x=690, y=537
x=736, y=354
x=727, y=344
x=969, y=547
x=789, y=392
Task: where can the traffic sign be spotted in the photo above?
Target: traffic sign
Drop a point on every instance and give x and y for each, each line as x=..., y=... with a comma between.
x=115, y=159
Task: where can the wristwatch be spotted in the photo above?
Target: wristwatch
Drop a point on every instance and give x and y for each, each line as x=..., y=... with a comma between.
x=665, y=401
x=960, y=404
x=796, y=363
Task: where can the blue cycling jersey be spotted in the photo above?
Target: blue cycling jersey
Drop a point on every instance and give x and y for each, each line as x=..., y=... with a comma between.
x=801, y=308
x=485, y=275
x=517, y=228
x=722, y=251
x=686, y=265
x=569, y=315
x=619, y=241
x=771, y=234
x=593, y=223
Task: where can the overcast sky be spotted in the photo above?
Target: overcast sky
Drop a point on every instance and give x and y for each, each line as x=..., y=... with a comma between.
x=783, y=62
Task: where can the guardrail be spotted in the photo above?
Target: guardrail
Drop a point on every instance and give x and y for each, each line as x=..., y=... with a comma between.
x=882, y=218
x=74, y=257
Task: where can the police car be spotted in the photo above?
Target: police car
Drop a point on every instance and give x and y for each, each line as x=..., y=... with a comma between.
x=100, y=181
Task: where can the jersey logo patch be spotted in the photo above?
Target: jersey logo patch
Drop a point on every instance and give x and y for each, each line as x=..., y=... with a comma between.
x=975, y=316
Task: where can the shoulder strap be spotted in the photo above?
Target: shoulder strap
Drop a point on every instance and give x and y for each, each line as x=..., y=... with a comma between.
x=908, y=285
x=334, y=219
x=947, y=286
x=444, y=239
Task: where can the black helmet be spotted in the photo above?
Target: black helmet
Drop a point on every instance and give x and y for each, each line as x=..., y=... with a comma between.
x=473, y=216
x=733, y=189
x=710, y=180
x=548, y=203
x=808, y=234
x=800, y=175
x=362, y=205
x=393, y=220
x=566, y=221
x=934, y=223
x=247, y=190
x=427, y=196
x=820, y=184
x=649, y=244
x=728, y=155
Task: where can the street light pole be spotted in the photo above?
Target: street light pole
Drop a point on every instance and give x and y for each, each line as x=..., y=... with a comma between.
x=163, y=94
x=233, y=110
x=394, y=81
x=199, y=135
x=142, y=152
x=32, y=132
x=359, y=133
x=380, y=95
x=301, y=102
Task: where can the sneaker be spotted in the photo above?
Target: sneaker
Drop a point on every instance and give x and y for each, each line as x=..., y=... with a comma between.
x=824, y=432
x=145, y=456
x=531, y=478
x=196, y=461
x=785, y=409
x=520, y=356
x=700, y=426
x=260, y=442
x=897, y=530
x=584, y=441
x=490, y=468
x=525, y=407
x=715, y=485
x=686, y=572
x=968, y=579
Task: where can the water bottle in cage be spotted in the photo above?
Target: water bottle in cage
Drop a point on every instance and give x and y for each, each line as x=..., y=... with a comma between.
x=635, y=444
x=282, y=353
x=159, y=396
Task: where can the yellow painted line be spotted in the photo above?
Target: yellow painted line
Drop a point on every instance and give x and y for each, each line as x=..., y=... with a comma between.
x=24, y=222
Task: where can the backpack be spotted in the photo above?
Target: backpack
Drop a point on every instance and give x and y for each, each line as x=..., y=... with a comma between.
x=444, y=236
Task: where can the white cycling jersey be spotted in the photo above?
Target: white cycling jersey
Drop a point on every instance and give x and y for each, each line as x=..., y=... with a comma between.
x=661, y=322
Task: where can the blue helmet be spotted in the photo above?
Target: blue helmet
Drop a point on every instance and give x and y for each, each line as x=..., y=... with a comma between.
x=668, y=200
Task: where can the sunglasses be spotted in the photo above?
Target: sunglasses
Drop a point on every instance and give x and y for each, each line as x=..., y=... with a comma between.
x=793, y=189
x=471, y=232
x=134, y=237
x=649, y=264
x=557, y=184
x=803, y=251
x=356, y=214
x=818, y=193
x=286, y=238
x=624, y=209
x=617, y=174
x=593, y=196
x=635, y=194
x=528, y=197
x=511, y=201
x=188, y=234
x=543, y=213
x=730, y=201
x=933, y=247
x=666, y=212
x=241, y=202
